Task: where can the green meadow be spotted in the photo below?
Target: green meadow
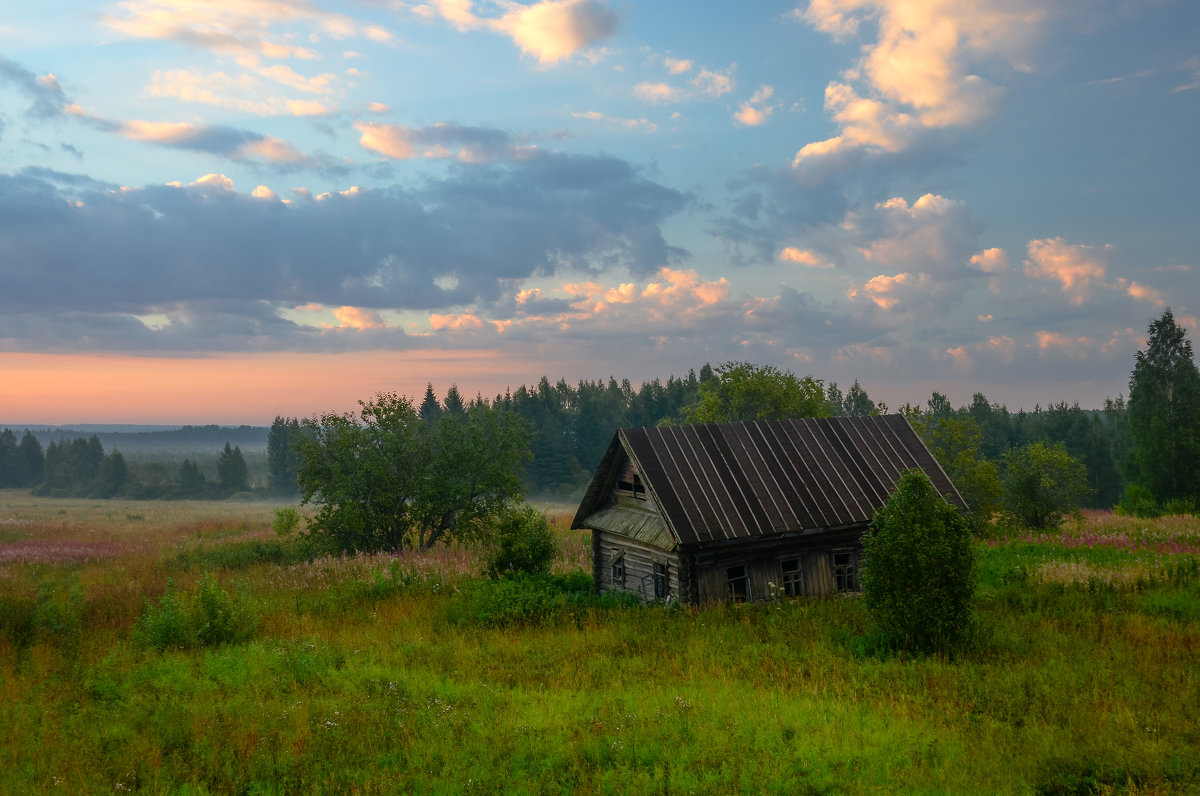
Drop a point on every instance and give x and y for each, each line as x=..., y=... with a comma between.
x=185, y=648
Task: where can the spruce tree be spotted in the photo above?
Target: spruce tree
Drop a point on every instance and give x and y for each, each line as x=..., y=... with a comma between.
x=1164, y=413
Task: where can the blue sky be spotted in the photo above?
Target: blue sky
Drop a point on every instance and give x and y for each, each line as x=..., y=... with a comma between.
x=215, y=211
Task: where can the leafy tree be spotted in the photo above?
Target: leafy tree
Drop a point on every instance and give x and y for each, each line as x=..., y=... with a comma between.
x=1164, y=412
x=1042, y=483
x=473, y=469
x=282, y=459
x=231, y=470
x=919, y=570
x=955, y=443
x=385, y=479
x=745, y=391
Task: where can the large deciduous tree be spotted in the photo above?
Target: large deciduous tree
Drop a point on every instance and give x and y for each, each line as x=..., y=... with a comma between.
x=744, y=391
x=385, y=479
x=1164, y=412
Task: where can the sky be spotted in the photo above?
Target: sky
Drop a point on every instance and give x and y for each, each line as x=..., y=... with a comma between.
x=220, y=211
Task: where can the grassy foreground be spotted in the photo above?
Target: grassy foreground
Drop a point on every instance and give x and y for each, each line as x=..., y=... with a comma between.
x=398, y=673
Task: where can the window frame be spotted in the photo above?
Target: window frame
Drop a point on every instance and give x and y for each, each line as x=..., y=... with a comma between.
x=732, y=582
x=845, y=576
x=792, y=580
x=662, y=580
x=616, y=570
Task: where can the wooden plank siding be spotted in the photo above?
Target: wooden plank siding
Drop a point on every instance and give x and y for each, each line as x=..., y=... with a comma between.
x=639, y=567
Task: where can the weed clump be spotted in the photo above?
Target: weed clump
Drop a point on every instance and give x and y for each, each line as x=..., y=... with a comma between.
x=210, y=617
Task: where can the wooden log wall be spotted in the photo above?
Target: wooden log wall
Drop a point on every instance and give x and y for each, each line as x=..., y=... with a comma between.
x=639, y=566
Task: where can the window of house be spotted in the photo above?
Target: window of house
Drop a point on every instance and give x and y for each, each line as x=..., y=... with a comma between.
x=737, y=584
x=845, y=570
x=618, y=570
x=662, y=583
x=631, y=484
x=793, y=577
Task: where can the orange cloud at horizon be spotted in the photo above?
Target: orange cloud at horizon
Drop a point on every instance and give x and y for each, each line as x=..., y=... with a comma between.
x=60, y=389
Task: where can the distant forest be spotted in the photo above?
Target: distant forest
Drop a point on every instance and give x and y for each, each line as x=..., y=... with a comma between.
x=570, y=428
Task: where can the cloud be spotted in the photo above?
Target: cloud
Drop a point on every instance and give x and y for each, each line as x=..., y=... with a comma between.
x=238, y=145
x=708, y=84
x=94, y=254
x=46, y=96
x=677, y=66
x=791, y=254
x=441, y=140
x=643, y=124
x=245, y=92
x=551, y=30
x=660, y=92
x=1076, y=266
x=358, y=318
x=756, y=111
x=237, y=27
x=919, y=72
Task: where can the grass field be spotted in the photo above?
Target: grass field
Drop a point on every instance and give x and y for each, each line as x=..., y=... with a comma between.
x=382, y=674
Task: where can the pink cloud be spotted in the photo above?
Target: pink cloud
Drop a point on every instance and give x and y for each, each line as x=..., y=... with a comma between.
x=1075, y=266
x=358, y=318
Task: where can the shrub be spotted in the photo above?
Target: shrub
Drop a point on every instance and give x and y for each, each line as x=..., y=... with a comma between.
x=531, y=600
x=1138, y=501
x=287, y=520
x=520, y=542
x=1041, y=484
x=919, y=570
x=210, y=618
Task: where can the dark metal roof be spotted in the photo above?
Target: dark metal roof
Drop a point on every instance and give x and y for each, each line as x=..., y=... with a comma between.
x=717, y=482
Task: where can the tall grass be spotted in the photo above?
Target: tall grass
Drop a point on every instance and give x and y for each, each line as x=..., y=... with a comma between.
x=383, y=674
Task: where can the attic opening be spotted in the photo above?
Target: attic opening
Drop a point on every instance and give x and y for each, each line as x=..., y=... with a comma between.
x=629, y=483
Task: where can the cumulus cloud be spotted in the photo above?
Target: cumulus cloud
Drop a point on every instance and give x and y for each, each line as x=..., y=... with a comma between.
x=1077, y=267
x=550, y=31
x=238, y=145
x=791, y=254
x=756, y=111
x=919, y=72
x=246, y=91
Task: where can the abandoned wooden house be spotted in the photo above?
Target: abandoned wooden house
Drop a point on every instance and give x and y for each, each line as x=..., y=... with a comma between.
x=745, y=511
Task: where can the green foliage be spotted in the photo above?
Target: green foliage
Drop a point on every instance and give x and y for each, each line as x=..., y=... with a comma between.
x=744, y=391
x=1041, y=484
x=1138, y=501
x=231, y=470
x=287, y=520
x=283, y=460
x=531, y=600
x=519, y=541
x=1164, y=412
x=919, y=569
x=385, y=478
x=956, y=444
x=209, y=618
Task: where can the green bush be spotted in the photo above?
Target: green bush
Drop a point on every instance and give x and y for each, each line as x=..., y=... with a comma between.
x=520, y=542
x=1138, y=501
x=210, y=618
x=1042, y=483
x=287, y=520
x=919, y=570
